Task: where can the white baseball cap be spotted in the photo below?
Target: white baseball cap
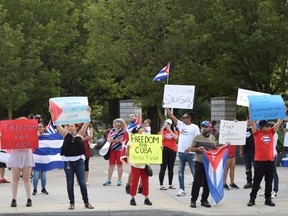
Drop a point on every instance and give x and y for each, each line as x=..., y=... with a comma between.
x=169, y=121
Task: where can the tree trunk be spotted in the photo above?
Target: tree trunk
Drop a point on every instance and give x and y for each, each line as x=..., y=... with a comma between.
x=153, y=115
x=114, y=110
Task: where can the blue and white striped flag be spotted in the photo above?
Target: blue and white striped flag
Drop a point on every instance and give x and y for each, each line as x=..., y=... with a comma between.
x=50, y=128
x=47, y=156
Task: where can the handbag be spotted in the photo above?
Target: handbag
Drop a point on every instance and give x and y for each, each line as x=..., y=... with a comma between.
x=148, y=170
x=107, y=155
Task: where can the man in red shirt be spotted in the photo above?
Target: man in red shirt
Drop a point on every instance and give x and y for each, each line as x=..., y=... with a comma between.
x=263, y=159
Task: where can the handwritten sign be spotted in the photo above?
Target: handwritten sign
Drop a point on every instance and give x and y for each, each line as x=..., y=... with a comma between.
x=69, y=110
x=178, y=96
x=19, y=134
x=242, y=96
x=286, y=137
x=145, y=148
x=266, y=107
x=4, y=157
x=233, y=132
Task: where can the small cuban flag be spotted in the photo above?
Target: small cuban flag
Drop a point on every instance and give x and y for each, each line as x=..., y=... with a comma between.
x=164, y=73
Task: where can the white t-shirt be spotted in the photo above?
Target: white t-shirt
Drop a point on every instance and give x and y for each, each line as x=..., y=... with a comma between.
x=146, y=130
x=186, y=135
x=275, y=143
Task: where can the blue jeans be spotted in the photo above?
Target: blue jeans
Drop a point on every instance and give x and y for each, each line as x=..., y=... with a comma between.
x=249, y=162
x=275, y=176
x=78, y=168
x=36, y=178
x=183, y=158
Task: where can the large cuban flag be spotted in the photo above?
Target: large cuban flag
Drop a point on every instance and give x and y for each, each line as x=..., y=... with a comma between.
x=214, y=164
x=47, y=156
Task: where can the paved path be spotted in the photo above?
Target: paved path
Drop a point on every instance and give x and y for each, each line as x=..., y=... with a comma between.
x=112, y=200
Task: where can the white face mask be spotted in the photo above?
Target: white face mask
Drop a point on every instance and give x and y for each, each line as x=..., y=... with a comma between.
x=73, y=133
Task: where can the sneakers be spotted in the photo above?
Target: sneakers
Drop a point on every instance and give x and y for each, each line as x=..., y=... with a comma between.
x=107, y=183
x=206, y=204
x=269, y=202
x=181, y=192
x=273, y=195
x=89, y=206
x=140, y=189
x=193, y=204
x=34, y=192
x=44, y=191
x=247, y=185
x=233, y=185
x=251, y=202
x=4, y=181
x=147, y=202
x=225, y=186
x=133, y=202
x=119, y=183
x=13, y=203
x=29, y=203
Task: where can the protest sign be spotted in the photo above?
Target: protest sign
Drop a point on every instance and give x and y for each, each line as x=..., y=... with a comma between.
x=242, y=96
x=19, y=134
x=145, y=149
x=4, y=157
x=233, y=132
x=69, y=110
x=178, y=96
x=266, y=107
x=286, y=137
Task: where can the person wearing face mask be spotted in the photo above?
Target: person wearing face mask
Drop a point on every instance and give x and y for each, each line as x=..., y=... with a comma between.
x=73, y=154
x=206, y=141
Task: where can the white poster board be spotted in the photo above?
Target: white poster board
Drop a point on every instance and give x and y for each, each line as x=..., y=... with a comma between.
x=178, y=96
x=242, y=96
x=286, y=137
x=233, y=132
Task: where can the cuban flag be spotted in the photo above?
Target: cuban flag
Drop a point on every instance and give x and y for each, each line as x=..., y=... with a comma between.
x=164, y=73
x=50, y=128
x=47, y=156
x=214, y=165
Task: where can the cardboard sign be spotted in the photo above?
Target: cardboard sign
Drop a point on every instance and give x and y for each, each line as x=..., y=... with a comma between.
x=242, y=96
x=145, y=149
x=19, y=134
x=266, y=107
x=69, y=110
x=178, y=96
x=233, y=132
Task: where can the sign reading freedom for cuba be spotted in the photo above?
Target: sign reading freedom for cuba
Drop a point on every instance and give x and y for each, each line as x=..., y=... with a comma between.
x=69, y=110
x=266, y=107
x=178, y=96
x=145, y=149
x=19, y=134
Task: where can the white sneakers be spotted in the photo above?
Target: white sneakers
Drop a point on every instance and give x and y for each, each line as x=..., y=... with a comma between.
x=273, y=194
x=181, y=192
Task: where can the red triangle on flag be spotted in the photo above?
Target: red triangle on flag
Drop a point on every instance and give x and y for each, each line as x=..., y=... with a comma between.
x=138, y=121
x=55, y=111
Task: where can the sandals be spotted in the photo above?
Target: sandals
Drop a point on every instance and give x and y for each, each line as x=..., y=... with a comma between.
x=172, y=187
x=163, y=188
x=89, y=206
x=71, y=207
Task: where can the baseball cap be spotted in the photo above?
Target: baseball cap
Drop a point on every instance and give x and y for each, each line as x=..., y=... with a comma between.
x=205, y=123
x=168, y=121
x=263, y=123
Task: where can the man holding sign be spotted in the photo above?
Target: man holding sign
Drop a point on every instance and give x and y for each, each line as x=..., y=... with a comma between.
x=187, y=132
x=264, y=159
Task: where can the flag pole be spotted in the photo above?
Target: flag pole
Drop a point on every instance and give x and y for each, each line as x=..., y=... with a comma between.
x=165, y=113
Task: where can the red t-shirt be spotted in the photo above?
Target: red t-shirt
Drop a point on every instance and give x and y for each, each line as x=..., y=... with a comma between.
x=231, y=151
x=168, y=140
x=264, y=144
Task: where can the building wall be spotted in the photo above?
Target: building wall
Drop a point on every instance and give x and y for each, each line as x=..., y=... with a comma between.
x=127, y=107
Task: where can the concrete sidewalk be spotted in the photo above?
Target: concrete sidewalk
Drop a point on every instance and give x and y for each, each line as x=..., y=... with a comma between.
x=112, y=200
